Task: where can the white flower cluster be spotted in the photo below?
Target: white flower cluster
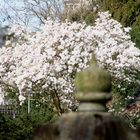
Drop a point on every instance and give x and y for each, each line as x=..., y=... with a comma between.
x=50, y=58
x=115, y=50
x=1, y=96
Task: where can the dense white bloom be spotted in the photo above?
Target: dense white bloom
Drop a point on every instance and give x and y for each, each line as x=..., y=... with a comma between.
x=115, y=50
x=48, y=59
x=21, y=99
x=1, y=96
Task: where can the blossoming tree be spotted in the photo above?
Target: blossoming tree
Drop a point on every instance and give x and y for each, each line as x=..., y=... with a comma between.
x=47, y=60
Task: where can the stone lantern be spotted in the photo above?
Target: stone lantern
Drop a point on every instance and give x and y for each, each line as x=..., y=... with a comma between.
x=93, y=89
x=91, y=121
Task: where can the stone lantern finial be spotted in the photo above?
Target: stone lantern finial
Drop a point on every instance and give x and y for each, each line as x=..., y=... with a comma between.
x=93, y=87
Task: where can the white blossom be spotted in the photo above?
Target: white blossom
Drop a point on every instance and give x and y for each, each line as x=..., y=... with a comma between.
x=50, y=57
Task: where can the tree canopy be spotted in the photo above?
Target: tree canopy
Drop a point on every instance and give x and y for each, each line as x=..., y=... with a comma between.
x=125, y=11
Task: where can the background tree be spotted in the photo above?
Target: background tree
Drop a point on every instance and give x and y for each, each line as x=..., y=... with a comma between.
x=125, y=11
x=30, y=12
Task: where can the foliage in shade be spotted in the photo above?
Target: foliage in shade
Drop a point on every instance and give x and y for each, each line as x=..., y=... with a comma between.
x=135, y=35
x=22, y=127
x=125, y=11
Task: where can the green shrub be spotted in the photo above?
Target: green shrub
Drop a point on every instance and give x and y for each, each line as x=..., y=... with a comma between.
x=135, y=35
x=86, y=15
x=123, y=97
x=22, y=127
x=125, y=11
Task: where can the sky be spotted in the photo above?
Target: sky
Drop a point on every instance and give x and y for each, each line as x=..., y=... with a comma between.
x=4, y=6
x=20, y=17
x=6, y=12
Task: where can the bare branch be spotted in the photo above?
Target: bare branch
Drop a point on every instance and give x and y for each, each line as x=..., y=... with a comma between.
x=32, y=9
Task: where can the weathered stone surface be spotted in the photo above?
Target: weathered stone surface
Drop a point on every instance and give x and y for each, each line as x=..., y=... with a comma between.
x=82, y=126
x=93, y=97
x=93, y=87
x=93, y=79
